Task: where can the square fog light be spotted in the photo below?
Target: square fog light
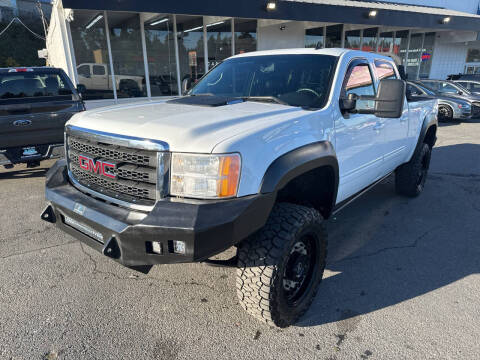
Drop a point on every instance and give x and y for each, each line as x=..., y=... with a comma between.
x=179, y=247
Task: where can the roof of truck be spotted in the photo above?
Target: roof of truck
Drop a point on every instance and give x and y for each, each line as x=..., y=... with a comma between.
x=312, y=51
x=29, y=69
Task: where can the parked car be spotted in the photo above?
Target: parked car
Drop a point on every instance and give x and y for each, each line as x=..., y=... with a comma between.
x=95, y=78
x=454, y=90
x=471, y=85
x=35, y=104
x=449, y=108
x=260, y=152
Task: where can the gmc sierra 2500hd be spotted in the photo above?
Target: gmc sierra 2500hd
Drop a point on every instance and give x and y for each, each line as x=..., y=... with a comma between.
x=257, y=155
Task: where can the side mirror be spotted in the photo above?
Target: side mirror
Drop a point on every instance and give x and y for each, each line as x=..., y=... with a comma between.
x=460, y=93
x=349, y=104
x=390, y=98
x=81, y=89
x=186, y=85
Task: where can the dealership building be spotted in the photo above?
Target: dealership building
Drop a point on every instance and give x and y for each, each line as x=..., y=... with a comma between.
x=120, y=50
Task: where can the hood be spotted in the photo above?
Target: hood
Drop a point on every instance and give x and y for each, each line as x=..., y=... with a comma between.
x=186, y=128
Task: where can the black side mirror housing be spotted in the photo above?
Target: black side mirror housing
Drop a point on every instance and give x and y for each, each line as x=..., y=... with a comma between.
x=349, y=104
x=390, y=98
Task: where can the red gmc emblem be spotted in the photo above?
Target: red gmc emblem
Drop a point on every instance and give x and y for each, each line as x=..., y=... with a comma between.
x=97, y=167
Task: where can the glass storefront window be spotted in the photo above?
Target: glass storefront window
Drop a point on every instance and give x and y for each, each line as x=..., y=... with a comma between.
x=127, y=54
x=370, y=39
x=219, y=40
x=161, y=56
x=473, y=55
x=190, y=48
x=352, y=39
x=427, y=56
x=385, y=42
x=91, y=54
x=245, y=36
x=400, y=45
x=314, y=37
x=334, y=36
x=414, y=56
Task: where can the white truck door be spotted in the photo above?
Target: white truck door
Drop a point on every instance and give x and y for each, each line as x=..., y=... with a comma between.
x=358, y=137
x=100, y=77
x=84, y=75
x=396, y=130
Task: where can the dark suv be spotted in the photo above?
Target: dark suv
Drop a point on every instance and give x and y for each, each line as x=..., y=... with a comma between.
x=35, y=104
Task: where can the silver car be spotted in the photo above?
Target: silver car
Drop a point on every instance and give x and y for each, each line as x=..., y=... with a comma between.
x=449, y=108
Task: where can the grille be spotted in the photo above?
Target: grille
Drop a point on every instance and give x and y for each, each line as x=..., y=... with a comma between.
x=132, y=172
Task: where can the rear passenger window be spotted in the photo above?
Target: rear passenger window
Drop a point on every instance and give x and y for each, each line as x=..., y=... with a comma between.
x=384, y=70
x=98, y=70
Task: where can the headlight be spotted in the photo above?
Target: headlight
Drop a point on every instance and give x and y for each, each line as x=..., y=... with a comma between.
x=204, y=176
x=465, y=106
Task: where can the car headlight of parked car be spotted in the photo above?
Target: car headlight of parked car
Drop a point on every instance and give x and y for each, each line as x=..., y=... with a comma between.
x=205, y=176
x=465, y=106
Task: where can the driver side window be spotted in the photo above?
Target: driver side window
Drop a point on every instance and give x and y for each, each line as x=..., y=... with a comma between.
x=359, y=81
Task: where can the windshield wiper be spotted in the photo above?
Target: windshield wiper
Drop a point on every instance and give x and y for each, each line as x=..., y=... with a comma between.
x=272, y=99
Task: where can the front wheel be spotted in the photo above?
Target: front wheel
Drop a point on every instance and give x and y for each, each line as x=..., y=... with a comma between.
x=410, y=177
x=281, y=266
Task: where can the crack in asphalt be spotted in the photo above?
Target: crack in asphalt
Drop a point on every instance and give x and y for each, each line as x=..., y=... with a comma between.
x=412, y=245
x=36, y=250
x=95, y=270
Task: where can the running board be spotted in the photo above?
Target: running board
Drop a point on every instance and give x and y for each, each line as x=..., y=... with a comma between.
x=347, y=202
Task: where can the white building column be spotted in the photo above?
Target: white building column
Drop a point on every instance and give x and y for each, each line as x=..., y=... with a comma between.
x=177, y=56
x=110, y=58
x=145, y=58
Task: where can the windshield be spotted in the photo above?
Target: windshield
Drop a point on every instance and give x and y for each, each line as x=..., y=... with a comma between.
x=295, y=80
x=425, y=90
x=32, y=84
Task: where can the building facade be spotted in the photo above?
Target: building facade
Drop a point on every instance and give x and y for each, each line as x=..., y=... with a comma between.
x=129, y=49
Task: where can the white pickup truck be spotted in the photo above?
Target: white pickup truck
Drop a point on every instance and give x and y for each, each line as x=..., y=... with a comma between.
x=95, y=77
x=263, y=150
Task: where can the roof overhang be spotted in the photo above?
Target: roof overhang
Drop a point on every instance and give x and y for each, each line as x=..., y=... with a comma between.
x=336, y=11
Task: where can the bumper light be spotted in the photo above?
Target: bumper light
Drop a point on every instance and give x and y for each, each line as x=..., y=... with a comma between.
x=205, y=176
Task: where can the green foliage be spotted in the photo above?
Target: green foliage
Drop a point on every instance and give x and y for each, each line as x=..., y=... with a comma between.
x=18, y=47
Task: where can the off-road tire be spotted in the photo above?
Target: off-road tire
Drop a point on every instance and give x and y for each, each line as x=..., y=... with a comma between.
x=445, y=113
x=264, y=257
x=410, y=177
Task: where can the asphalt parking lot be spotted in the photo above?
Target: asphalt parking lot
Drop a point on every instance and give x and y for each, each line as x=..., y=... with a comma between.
x=402, y=282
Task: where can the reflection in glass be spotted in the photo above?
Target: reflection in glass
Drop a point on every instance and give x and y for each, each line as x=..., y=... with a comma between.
x=400, y=45
x=91, y=53
x=427, y=56
x=414, y=56
x=314, y=37
x=127, y=54
x=161, y=56
x=245, y=36
x=352, y=39
x=190, y=48
x=219, y=40
x=370, y=39
x=334, y=36
x=385, y=42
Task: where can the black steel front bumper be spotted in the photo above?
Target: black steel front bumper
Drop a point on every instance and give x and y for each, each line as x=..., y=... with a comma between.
x=206, y=227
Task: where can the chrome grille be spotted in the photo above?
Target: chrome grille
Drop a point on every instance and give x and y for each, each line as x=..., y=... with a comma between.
x=132, y=176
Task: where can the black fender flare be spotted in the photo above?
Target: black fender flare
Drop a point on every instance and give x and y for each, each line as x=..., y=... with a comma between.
x=299, y=161
x=429, y=121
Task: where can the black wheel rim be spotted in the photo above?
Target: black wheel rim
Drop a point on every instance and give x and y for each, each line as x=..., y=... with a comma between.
x=299, y=269
x=423, y=170
x=444, y=112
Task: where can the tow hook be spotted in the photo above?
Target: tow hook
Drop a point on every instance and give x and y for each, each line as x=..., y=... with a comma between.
x=48, y=215
x=111, y=249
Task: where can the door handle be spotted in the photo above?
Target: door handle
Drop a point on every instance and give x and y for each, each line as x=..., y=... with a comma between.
x=22, y=123
x=379, y=126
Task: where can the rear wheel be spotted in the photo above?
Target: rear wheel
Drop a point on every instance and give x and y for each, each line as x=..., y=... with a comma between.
x=281, y=266
x=445, y=113
x=410, y=177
